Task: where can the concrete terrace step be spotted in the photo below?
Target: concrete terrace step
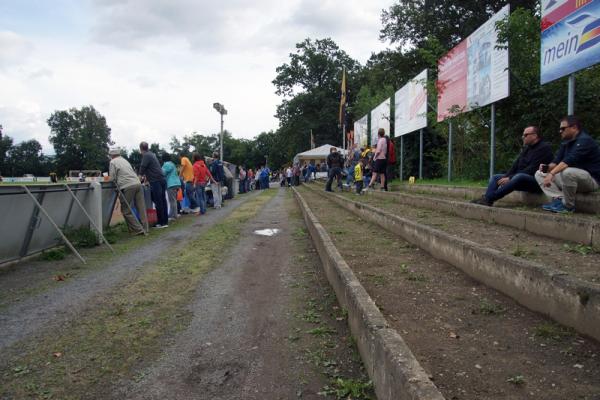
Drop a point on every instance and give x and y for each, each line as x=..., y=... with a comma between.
x=395, y=371
x=565, y=227
x=585, y=202
x=564, y=298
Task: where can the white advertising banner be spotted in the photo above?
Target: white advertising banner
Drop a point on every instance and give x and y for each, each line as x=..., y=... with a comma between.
x=411, y=106
x=380, y=118
x=360, y=131
x=474, y=73
x=570, y=37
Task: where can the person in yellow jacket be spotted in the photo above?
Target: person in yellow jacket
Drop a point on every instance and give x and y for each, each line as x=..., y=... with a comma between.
x=358, y=175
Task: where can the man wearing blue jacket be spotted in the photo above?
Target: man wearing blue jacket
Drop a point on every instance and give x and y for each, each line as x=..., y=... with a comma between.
x=575, y=168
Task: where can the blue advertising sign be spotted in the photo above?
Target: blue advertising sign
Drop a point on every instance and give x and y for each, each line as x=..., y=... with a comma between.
x=570, y=37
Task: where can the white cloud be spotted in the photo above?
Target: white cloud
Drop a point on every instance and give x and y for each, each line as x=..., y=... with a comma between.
x=14, y=49
x=154, y=68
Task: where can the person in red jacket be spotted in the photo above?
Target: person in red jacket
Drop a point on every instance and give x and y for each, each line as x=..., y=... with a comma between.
x=201, y=176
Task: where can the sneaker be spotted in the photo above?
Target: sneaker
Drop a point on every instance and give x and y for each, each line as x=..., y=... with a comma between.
x=482, y=201
x=195, y=210
x=554, y=203
x=562, y=209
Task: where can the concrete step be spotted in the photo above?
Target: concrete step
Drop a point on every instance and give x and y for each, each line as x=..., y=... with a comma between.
x=580, y=229
x=563, y=297
x=585, y=202
x=393, y=368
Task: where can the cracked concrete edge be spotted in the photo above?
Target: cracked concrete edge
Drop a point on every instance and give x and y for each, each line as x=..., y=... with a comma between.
x=586, y=202
x=564, y=298
x=395, y=371
x=550, y=225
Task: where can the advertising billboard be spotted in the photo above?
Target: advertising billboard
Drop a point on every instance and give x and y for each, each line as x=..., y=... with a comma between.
x=410, y=112
x=380, y=118
x=360, y=131
x=474, y=73
x=570, y=37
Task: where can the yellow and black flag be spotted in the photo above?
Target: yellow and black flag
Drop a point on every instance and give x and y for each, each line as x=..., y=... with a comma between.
x=342, y=116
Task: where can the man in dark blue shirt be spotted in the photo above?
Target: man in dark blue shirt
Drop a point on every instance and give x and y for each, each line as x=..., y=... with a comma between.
x=536, y=151
x=152, y=173
x=575, y=169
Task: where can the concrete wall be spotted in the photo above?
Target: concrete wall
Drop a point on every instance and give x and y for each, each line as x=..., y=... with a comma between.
x=25, y=230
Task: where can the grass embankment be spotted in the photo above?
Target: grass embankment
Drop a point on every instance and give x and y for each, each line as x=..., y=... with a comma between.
x=124, y=329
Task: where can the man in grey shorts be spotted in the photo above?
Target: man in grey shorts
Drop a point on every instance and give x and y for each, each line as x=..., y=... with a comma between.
x=575, y=168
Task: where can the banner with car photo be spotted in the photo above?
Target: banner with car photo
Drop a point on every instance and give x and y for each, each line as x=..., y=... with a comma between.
x=475, y=72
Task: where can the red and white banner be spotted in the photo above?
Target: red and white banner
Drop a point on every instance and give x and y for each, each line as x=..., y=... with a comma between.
x=474, y=73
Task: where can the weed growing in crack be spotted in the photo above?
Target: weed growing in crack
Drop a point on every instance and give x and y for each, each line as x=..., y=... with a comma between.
x=550, y=330
x=488, y=308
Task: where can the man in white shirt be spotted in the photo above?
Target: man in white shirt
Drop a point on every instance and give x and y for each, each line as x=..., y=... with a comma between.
x=127, y=181
x=380, y=158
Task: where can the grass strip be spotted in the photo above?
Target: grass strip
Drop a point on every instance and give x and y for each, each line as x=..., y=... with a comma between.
x=124, y=329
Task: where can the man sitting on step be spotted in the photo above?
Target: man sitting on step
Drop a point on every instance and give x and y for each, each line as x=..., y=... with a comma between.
x=575, y=169
x=536, y=151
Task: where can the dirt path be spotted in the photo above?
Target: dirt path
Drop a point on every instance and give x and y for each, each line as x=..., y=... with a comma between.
x=240, y=343
x=24, y=315
x=474, y=342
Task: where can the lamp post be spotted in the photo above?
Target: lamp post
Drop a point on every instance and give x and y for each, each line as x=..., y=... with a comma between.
x=221, y=110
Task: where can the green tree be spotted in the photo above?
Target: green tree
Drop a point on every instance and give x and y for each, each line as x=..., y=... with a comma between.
x=80, y=138
x=26, y=158
x=411, y=23
x=310, y=86
x=6, y=143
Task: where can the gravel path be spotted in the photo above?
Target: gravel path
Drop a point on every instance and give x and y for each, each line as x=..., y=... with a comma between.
x=237, y=343
x=47, y=310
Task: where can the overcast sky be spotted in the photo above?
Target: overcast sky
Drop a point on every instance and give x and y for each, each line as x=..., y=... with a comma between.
x=154, y=68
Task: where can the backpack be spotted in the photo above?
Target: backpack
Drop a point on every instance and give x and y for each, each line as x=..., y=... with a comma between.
x=391, y=151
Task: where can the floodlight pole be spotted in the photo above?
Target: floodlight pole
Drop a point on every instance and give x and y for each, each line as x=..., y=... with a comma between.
x=571, y=96
x=221, y=110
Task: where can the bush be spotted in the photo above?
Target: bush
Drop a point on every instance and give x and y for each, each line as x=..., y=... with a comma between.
x=82, y=237
x=55, y=254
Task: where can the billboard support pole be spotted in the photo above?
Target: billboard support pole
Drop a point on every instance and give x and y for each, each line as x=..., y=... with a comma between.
x=401, y=158
x=421, y=153
x=571, y=96
x=493, y=140
x=449, y=150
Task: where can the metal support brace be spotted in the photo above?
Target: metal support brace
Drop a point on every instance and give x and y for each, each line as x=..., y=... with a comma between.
x=90, y=218
x=60, y=232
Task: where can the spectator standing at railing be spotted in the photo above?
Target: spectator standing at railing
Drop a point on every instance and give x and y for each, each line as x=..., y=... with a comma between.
x=243, y=176
x=575, y=168
x=130, y=191
x=520, y=177
x=173, y=184
x=151, y=172
x=202, y=176
x=186, y=172
x=218, y=174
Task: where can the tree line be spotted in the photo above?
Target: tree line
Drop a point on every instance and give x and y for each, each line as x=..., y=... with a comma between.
x=419, y=33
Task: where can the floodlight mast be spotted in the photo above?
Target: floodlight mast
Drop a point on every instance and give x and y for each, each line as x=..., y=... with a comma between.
x=221, y=110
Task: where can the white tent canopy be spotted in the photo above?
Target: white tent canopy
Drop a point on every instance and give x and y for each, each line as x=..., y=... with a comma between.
x=318, y=154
